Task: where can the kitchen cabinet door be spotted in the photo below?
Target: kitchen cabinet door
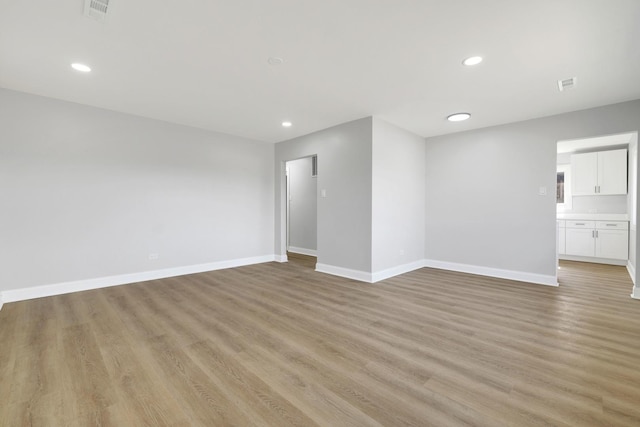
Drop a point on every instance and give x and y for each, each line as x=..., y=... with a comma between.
x=580, y=242
x=613, y=244
x=584, y=174
x=612, y=172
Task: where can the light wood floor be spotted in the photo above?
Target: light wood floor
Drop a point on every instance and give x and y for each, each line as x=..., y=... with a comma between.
x=302, y=260
x=278, y=344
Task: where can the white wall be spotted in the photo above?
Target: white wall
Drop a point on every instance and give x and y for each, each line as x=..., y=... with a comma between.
x=344, y=215
x=89, y=193
x=398, y=225
x=483, y=207
x=303, y=207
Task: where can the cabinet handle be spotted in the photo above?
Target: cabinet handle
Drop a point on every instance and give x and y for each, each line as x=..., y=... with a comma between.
x=593, y=234
x=611, y=225
x=579, y=223
x=596, y=234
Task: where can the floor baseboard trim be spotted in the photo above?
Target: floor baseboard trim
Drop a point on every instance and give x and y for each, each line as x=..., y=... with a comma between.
x=395, y=271
x=1, y=302
x=123, y=279
x=281, y=258
x=538, y=279
x=361, y=276
x=632, y=272
x=303, y=251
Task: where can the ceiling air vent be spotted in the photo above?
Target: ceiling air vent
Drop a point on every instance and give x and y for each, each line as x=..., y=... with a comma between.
x=567, y=83
x=96, y=9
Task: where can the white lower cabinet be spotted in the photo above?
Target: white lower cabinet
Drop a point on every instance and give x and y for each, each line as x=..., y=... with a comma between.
x=599, y=239
x=612, y=244
x=580, y=242
x=562, y=239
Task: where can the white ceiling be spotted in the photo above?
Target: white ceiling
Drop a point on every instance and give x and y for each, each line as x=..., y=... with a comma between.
x=204, y=62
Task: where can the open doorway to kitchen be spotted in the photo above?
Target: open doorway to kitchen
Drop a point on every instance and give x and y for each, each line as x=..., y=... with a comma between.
x=302, y=210
x=596, y=199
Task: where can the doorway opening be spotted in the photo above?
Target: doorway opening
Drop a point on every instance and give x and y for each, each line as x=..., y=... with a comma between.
x=302, y=211
x=596, y=200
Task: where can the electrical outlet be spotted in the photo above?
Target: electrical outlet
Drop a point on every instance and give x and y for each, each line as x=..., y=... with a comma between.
x=401, y=251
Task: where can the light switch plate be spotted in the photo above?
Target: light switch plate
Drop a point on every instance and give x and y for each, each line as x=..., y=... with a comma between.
x=542, y=191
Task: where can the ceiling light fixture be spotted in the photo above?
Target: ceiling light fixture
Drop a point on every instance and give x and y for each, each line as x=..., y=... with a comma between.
x=473, y=60
x=286, y=124
x=458, y=117
x=81, y=67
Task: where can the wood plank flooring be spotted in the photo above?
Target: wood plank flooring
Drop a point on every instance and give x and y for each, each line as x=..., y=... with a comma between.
x=302, y=260
x=279, y=344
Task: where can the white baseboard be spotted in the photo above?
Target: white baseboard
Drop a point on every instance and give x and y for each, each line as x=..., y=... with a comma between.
x=520, y=276
x=1, y=302
x=303, y=251
x=123, y=279
x=395, y=271
x=362, y=276
x=281, y=258
x=632, y=272
x=635, y=294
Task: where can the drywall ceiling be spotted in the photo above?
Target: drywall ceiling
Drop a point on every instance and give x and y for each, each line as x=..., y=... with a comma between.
x=204, y=63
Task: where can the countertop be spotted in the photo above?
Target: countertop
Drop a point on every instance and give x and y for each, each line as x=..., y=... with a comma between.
x=593, y=217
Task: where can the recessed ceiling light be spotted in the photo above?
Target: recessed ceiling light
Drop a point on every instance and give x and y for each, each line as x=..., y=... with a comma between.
x=274, y=60
x=286, y=124
x=80, y=67
x=473, y=60
x=458, y=117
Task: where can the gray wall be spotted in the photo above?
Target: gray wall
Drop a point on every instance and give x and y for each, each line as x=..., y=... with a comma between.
x=344, y=215
x=303, y=207
x=483, y=207
x=399, y=184
x=88, y=193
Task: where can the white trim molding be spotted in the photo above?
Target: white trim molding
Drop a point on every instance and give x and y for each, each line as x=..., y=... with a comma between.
x=635, y=294
x=520, y=276
x=1, y=302
x=281, y=258
x=632, y=272
x=395, y=271
x=303, y=251
x=123, y=279
x=362, y=276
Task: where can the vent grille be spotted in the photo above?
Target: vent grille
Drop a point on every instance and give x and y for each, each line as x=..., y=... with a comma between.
x=567, y=84
x=96, y=9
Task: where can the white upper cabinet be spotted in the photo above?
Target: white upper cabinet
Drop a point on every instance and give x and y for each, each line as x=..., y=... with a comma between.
x=600, y=173
x=612, y=172
x=584, y=173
